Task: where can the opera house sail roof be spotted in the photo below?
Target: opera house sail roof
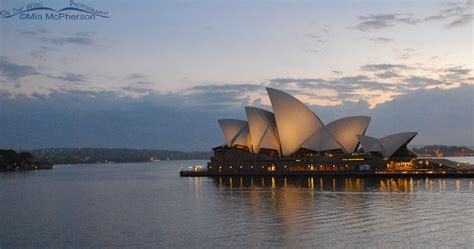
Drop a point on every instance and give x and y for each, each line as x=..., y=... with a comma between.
x=236, y=131
x=387, y=145
x=293, y=126
x=339, y=134
x=295, y=121
x=263, y=129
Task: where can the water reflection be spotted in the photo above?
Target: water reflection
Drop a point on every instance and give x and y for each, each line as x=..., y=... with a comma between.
x=348, y=184
x=295, y=204
x=151, y=207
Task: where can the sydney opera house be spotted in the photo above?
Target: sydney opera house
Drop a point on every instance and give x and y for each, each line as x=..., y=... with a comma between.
x=293, y=138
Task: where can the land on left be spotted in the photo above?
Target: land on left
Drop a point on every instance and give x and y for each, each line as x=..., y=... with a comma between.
x=10, y=160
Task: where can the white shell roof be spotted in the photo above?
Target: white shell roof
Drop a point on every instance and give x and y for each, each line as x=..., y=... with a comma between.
x=339, y=134
x=386, y=145
x=235, y=131
x=295, y=121
x=392, y=143
x=263, y=129
x=345, y=131
x=369, y=143
x=293, y=126
x=243, y=138
x=321, y=140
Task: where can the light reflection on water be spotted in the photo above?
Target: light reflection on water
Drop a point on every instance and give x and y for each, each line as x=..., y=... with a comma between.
x=347, y=184
x=355, y=212
x=149, y=206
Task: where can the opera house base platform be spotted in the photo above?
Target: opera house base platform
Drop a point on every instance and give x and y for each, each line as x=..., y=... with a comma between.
x=347, y=173
x=238, y=162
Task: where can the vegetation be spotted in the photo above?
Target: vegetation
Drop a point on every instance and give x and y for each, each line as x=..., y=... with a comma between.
x=10, y=161
x=103, y=155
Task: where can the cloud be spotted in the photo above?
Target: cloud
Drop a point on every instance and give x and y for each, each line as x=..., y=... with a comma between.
x=458, y=70
x=454, y=73
x=74, y=40
x=460, y=21
x=375, y=22
x=446, y=75
x=41, y=52
x=380, y=67
x=441, y=116
x=387, y=75
x=78, y=38
x=135, y=76
x=317, y=37
x=388, y=81
x=13, y=71
x=376, y=84
x=417, y=81
x=172, y=121
x=320, y=35
x=71, y=77
x=38, y=53
x=35, y=33
x=381, y=39
x=455, y=13
x=106, y=119
x=222, y=96
x=137, y=89
x=336, y=91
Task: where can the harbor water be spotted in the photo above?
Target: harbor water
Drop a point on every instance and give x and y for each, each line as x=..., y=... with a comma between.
x=147, y=205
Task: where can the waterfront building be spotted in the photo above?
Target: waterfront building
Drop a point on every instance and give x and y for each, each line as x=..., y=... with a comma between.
x=293, y=138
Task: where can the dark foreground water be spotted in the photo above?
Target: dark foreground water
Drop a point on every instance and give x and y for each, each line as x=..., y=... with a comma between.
x=146, y=205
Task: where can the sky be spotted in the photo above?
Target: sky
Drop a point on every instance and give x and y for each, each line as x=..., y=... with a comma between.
x=157, y=74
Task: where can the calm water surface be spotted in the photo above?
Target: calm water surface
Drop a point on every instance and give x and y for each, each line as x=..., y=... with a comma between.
x=146, y=205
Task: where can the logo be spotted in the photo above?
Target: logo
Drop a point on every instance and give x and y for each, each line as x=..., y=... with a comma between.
x=76, y=11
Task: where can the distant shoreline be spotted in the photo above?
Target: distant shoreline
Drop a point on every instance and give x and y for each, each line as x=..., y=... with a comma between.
x=151, y=162
x=122, y=155
x=112, y=155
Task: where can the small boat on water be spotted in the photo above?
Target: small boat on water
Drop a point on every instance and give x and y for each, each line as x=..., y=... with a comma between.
x=195, y=168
